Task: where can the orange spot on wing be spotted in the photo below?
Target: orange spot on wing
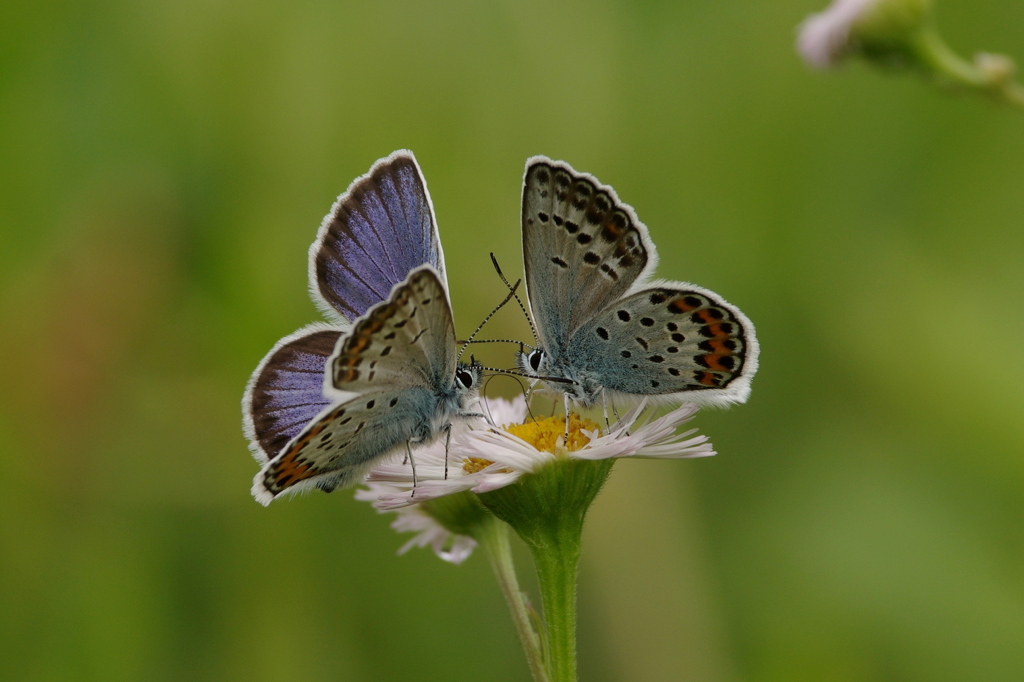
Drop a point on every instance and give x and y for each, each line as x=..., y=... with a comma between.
x=357, y=345
x=706, y=316
x=680, y=305
x=292, y=470
x=718, y=346
x=713, y=362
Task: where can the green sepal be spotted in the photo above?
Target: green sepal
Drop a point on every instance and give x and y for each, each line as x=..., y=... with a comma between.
x=551, y=502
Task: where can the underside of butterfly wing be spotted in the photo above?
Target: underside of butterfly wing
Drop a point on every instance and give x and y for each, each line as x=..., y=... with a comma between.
x=582, y=248
x=681, y=341
x=338, y=447
x=407, y=340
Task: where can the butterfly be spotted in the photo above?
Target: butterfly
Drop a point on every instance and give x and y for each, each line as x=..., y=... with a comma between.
x=603, y=330
x=331, y=400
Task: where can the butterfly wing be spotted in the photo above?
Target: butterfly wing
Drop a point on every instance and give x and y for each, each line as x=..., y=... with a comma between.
x=382, y=227
x=407, y=340
x=677, y=340
x=582, y=248
x=346, y=440
x=286, y=390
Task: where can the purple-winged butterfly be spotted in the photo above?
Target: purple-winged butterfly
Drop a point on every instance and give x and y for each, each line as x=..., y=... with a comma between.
x=331, y=400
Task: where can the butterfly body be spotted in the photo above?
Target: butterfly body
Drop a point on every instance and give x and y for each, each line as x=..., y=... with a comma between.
x=603, y=330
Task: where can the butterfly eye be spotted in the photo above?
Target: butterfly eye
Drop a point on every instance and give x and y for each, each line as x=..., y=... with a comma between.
x=535, y=358
x=465, y=378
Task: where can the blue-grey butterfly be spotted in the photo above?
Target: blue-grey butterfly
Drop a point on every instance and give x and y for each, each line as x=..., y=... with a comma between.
x=600, y=323
x=331, y=400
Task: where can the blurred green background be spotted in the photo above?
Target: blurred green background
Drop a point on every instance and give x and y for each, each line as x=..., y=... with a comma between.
x=164, y=167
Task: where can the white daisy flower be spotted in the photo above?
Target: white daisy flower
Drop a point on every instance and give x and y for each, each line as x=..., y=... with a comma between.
x=483, y=458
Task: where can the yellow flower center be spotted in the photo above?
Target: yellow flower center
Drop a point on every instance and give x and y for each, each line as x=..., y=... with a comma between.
x=548, y=434
x=471, y=465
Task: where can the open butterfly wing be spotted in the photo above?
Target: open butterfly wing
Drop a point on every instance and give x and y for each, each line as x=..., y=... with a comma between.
x=381, y=228
x=286, y=390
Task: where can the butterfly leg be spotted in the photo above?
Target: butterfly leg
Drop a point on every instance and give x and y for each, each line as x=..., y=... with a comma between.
x=447, y=443
x=412, y=462
x=486, y=416
x=565, y=400
x=608, y=401
x=618, y=418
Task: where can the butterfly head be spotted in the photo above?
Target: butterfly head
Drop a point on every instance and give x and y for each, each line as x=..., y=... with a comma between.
x=532, y=363
x=468, y=377
x=538, y=365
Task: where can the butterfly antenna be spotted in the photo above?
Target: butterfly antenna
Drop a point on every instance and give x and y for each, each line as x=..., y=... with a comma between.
x=497, y=268
x=521, y=344
x=511, y=293
x=497, y=370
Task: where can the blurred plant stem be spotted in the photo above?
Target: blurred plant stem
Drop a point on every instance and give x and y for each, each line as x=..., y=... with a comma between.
x=493, y=538
x=988, y=74
x=903, y=33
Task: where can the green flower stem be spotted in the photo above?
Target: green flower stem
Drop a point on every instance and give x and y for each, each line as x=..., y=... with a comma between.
x=932, y=53
x=547, y=509
x=493, y=538
x=557, y=557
